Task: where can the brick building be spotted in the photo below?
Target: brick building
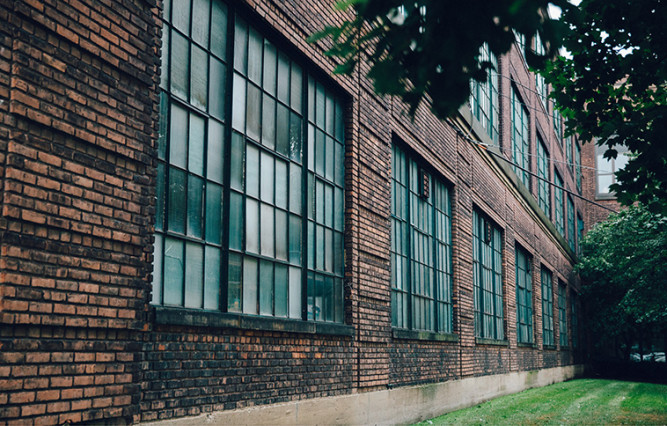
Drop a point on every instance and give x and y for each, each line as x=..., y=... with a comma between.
x=198, y=218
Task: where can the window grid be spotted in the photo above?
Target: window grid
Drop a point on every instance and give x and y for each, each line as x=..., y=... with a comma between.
x=421, y=274
x=547, y=308
x=558, y=128
x=540, y=83
x=524, y=297
x=484, y=101
x=256, y=243
x=562, y=314
x=520, y=139
x=559, y=206
x=577, y=165
x=606, y=168
x=543, y=187
x=568, y=151
x=570, y=224
x=487, y=279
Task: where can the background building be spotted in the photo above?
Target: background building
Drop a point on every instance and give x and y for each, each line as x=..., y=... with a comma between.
x=197, y=217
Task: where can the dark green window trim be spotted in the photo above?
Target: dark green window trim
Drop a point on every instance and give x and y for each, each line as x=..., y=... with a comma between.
x=543, y=186
x=562, y=314
x=524, y=296
x=484, y=99
x=250, y=199
x=547, y=308
x=559, y=204
x=487, y=279
x=421, y=254
x=520, y=136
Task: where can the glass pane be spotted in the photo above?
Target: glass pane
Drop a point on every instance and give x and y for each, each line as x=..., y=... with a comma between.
x=213, y=213
x=164, y=62
x=281, y=184
x=283, y=78
x=219, y=28
x=338, y=253
x=295, y=138
x=311, y=245
x=328, y=250
x=267, y=177
x=240, y=45
x=194, y=275
x=196, y=145
x=320, y=149
x=328, y=299
x=253, y=112
x=266, y=225
x=249, y=285
x=296, y=88
x=281, y=290
x=180, y=60
x=237, y=162
x=160, y=195
x=329, y=158
x=295, y=188
x=238, y=103
x=329, y=123
x=269, y=68
x=173, y=272
x=339, y=210
x=310, y=292
x=338, y=300
x=319, y=247
x=251, y=226
x=311, y=196
x=176, y=201
x=235, y=221
x=282, y=130
x=200, y=12
x=216, y=151
x=281, y=234
x=340, y=123
x=252, y=171
x=234, y=283
x=162, y=129
x=339, y=165
x=180, y=16
x=328, y=205
x=217, y=80
x=294, y=292
x=269, y=122
x=295, y=239
x=265, y=288
x=319, y=201
x=311, y=147
x=156, y=296
x=212, y=278
x=198, y=78
x=178, y=136
x=319, y=106
x=195, y=204
x=255, y=45
x=311, y=99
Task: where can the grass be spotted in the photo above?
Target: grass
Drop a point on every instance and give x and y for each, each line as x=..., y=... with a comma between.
x=577, y=402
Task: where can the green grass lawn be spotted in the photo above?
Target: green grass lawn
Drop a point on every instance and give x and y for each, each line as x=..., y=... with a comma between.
x=583, y=401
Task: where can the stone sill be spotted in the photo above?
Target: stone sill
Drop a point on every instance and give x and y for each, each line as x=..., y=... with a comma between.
x=399, y=333
x=492, y=342
x=200, y=318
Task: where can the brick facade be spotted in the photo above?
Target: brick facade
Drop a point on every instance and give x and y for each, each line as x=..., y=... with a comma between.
x=79, y=339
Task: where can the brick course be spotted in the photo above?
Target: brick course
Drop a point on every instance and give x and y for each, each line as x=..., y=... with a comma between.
x=79, y=341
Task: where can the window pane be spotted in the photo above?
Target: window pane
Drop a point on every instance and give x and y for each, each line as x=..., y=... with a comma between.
x=255, y=45
x=295, y=188
x=270, y=58
x=194, y=273
x=160, y=192
x=294, y=292
x=235, y=221
x=216, y=151
x=265, y=288
x=212, y=278
x=329, y=122
x=173, y=272
x=196, y=145
x=252, y=171
x=180, y=60
x=295, y=240
x=282, y=130
x=178, y=136
x=238, y=103
x=234, y=283
x=281, y=290
x=219, y=28
x=252, y=226
x=266, y=224
x=281, y=184
x=295, y=138
x=320, y=150
x=249, y=285
x=164, y=62
x=283, y=78
x=198, y=78
x=319, y=106
x=267, y=177
x=181, y=15
x=339, y=166
x=176, y=201
x=157, y=270
x=281, y=234
x=296, y=88
x=253, y=109
x=237, y=162
x=240, y=45
x=269, y=122
x=200, y=12
x=213, y=213
x=217, y=89
x=338, y=209
x=195, y=201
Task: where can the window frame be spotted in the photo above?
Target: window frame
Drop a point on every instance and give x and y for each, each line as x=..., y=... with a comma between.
x=548, y=329
x=543, y=181
x=524, y=296
x=562, y=315
x=559, y=203
x=520, y=138
x=485, y=98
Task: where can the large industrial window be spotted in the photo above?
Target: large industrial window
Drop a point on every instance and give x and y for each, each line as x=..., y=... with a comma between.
x=606, y=168
x=558, y=126
x=524, y=297
x=249, y=211
x=543, y=182
x=562, y=313
x=577, y=165
x=547, y=308
x=484, y=101
x=520, y=139
x=487, y=278
x=559, y=206
x=421, y=264
x=568, y=151
x=571, y=239
x=540, y=83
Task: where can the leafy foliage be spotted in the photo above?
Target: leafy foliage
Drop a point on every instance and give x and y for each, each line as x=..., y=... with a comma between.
x=623, y=267
x=613, y=88
x=430, y=48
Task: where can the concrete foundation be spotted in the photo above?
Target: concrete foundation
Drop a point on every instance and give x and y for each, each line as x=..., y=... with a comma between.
x=395, y=406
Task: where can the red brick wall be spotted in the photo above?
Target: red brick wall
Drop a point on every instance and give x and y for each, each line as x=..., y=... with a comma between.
x=78, y=339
